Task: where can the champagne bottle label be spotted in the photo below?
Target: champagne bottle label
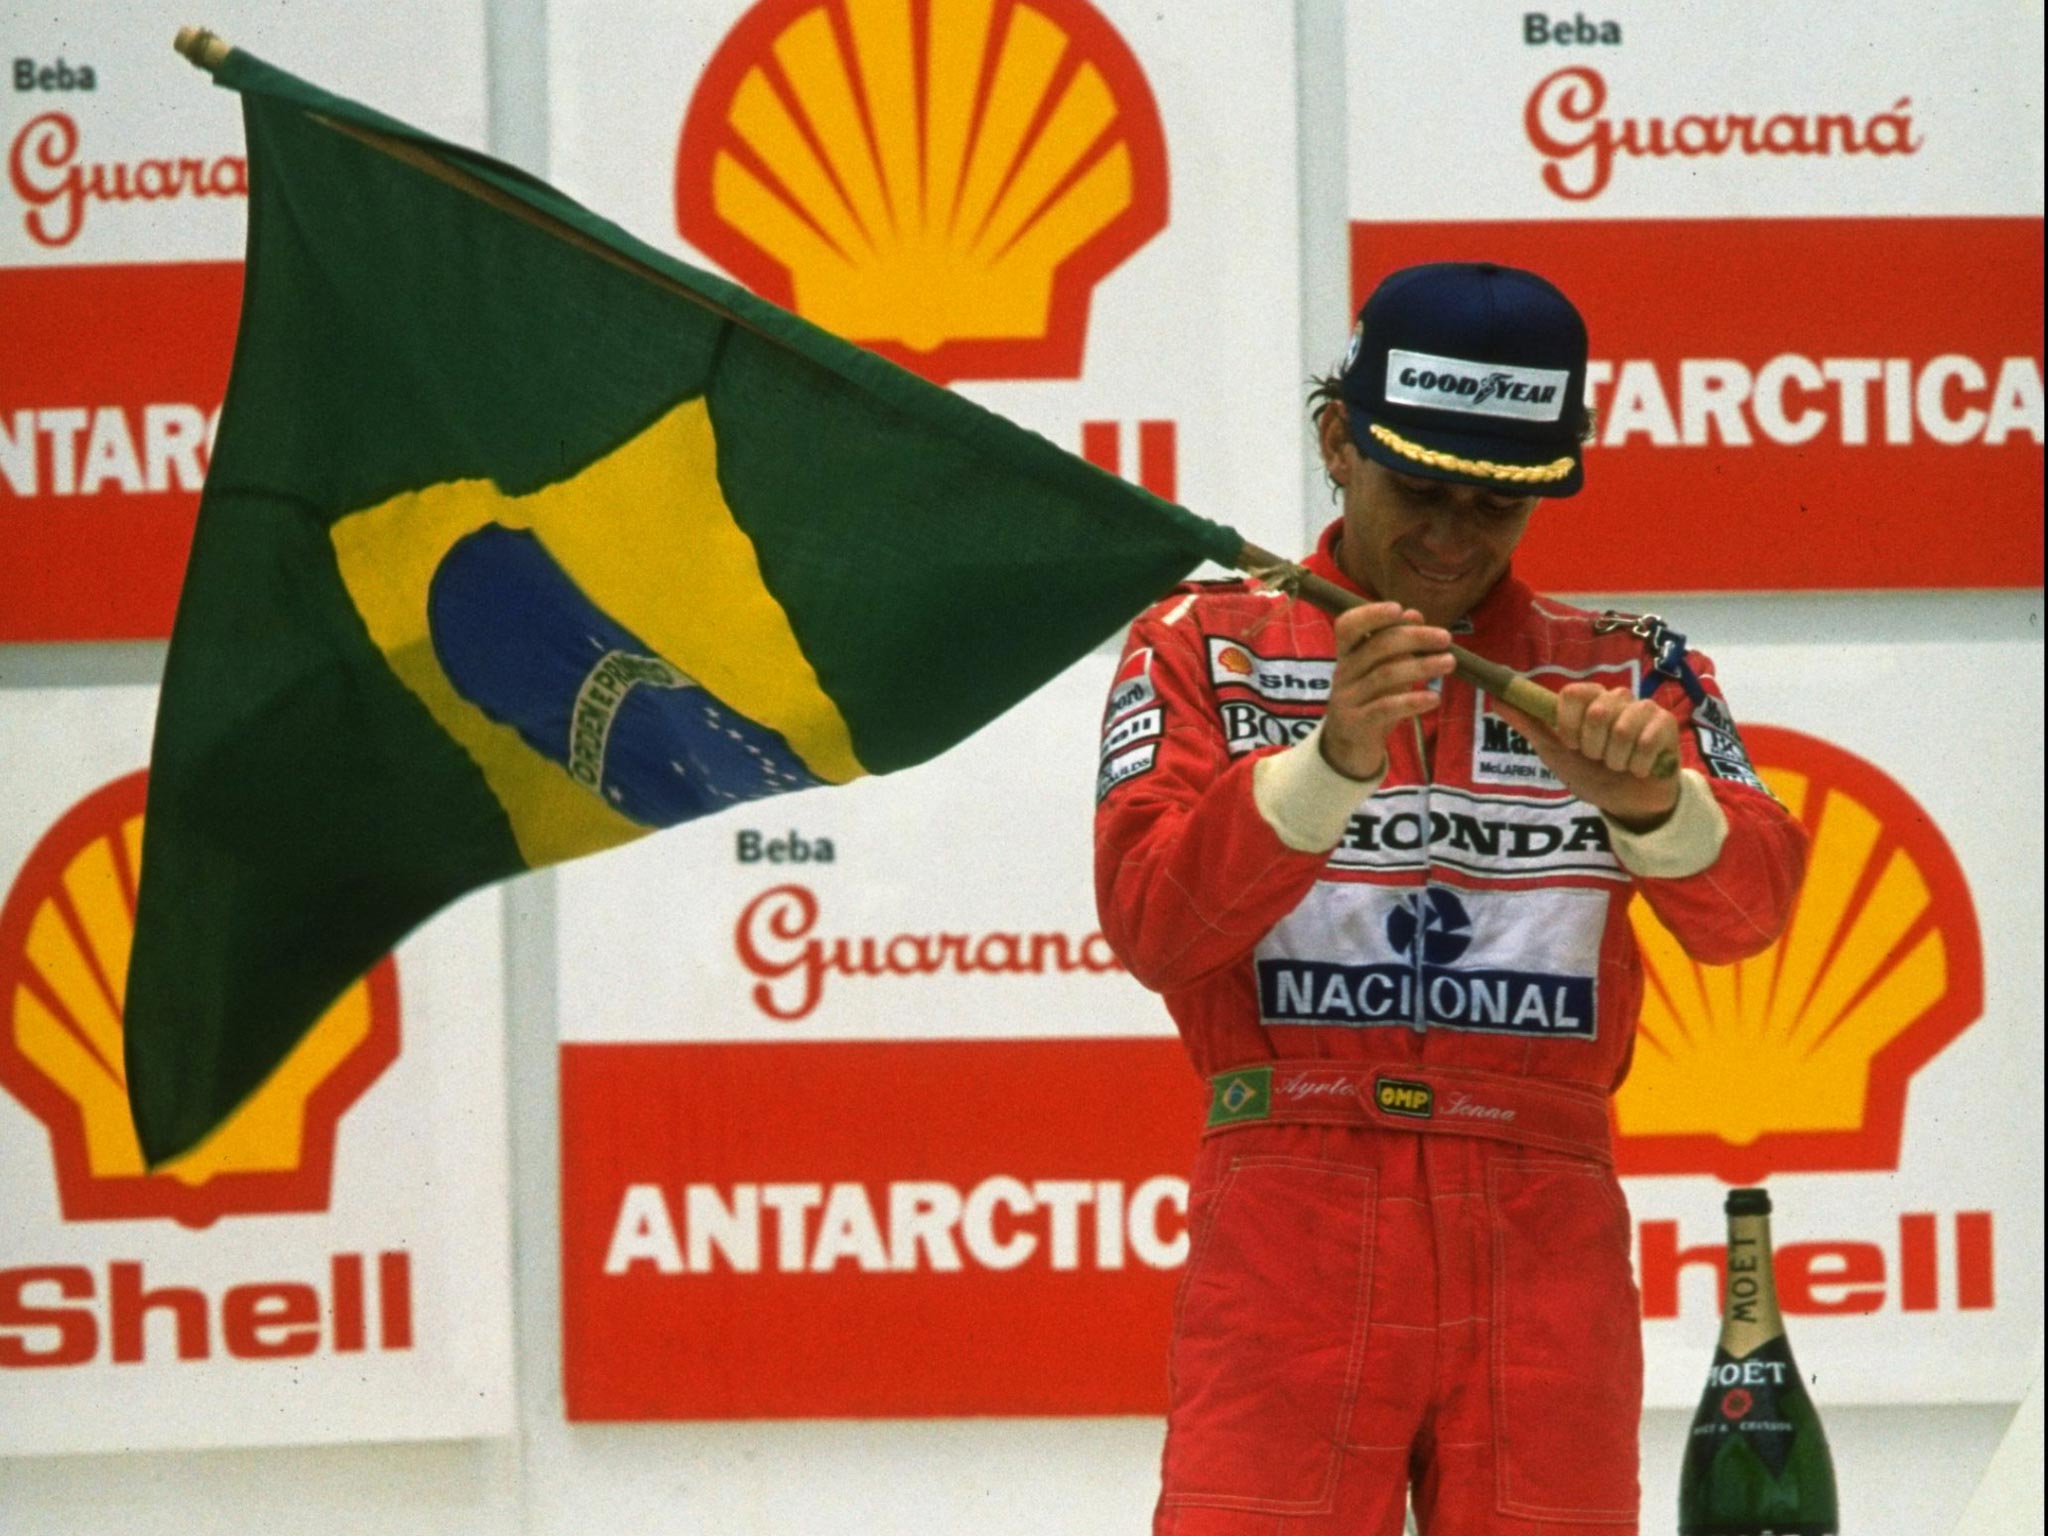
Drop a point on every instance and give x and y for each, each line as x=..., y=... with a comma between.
x=1743, y=1399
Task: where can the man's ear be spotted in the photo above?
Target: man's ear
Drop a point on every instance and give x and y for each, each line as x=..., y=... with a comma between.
x=1333, y=432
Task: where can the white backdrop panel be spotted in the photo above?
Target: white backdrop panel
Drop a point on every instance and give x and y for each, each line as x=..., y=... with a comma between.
x=1199, y=327
x=419, y=1170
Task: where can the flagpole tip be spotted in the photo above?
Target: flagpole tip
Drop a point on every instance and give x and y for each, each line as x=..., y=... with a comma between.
x=202, y=47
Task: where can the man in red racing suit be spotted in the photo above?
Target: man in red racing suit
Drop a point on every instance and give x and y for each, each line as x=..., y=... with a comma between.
x=1390, y=919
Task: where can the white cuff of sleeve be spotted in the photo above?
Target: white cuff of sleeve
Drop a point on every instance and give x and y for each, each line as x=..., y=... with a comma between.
x=1685, y=844
x=1305, y=801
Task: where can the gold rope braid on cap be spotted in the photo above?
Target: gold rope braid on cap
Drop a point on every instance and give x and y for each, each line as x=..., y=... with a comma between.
x=1556, y=469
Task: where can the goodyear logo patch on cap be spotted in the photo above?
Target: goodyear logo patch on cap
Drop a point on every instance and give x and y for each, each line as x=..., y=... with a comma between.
x=1415, y=1101
x=1240, y=1096
x=1479, y=389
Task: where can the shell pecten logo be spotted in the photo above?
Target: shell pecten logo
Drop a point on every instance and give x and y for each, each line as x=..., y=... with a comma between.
x=944, y=181
x=1800, y=1058
x=65, y=932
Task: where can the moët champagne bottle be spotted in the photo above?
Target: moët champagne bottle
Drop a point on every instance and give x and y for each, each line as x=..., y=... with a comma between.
x=1756, y=1461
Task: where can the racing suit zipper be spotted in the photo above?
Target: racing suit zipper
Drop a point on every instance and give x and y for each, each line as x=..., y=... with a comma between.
x=1419, y=1023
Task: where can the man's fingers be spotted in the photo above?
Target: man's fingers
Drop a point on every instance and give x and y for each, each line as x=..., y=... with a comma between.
x=1399, y=706
x=1390, y=662
x=1632, y=734
x=1393, y=644
x=1534, y=731
x=1596, y=729
x=1391, y=677
x=1361, y=624
x=1359, y=734
x=1594, y=724
x=1621, y=746
x=1409, y=640
x=1644, y=758
x=1556, y=756
x=1572, y=700
x=1385, y=627
x=1386, y=658
x=1658, y=737
x=1631, y=723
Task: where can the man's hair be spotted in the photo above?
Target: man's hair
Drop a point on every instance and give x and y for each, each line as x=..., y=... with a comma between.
x=1327, y=390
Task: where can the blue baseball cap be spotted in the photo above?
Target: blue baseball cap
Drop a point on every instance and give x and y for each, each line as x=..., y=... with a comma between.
x=1472, y=372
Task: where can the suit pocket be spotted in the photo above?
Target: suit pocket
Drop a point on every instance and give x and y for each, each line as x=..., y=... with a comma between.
x=1269, y=1335
x=1567, y=1343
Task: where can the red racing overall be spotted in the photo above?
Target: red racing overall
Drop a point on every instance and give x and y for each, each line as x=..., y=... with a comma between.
x=1410, y=1256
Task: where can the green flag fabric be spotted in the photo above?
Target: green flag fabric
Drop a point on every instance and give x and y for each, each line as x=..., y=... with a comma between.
x=522, y=539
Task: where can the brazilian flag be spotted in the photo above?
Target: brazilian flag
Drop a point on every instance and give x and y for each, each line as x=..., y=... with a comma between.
x=521, y=540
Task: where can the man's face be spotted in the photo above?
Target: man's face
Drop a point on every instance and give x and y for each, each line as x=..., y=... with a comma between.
x=1427, y=544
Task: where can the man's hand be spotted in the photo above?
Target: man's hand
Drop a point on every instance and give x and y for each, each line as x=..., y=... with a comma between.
x=1603, y=748
x=1386, y=659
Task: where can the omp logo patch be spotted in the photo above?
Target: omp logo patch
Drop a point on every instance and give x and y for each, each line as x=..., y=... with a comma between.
x=1416, y=1101
x=1800, y=1058
x=65, y=932
x=945, y=181
x=1283, y=679
x=1477, y=389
